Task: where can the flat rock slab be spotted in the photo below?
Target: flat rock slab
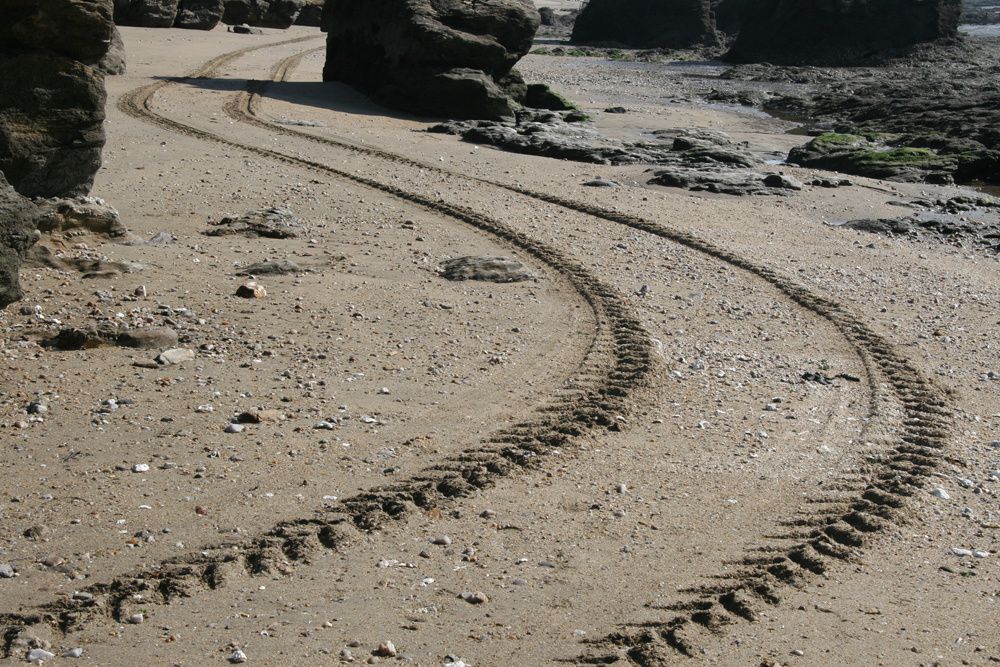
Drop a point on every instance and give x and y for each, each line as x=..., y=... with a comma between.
x=272, y=223
x=490, y=269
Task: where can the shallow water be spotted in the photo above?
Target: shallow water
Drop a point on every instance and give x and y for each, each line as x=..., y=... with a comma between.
x=992, y=30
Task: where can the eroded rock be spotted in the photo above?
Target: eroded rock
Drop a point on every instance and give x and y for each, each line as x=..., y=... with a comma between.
x=279, y=14
x=146, y=13
x=671, y=24
x=198, y=14
x=438, y=57
x=17, y=233
x=490, y=269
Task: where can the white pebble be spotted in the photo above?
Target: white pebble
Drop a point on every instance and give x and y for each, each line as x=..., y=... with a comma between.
x=234, y=428
x=39, y=655
x=140, y=467
x=941, y=493
x=237, y=657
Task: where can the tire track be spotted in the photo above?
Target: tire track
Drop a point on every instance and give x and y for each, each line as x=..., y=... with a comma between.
x=837, y=530
x=617, y=361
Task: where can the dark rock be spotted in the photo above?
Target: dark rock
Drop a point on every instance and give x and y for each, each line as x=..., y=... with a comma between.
x=540, y=96
x=739, y=182
x=272, y=223
x=616, y=110
x=51, y=123
x=280, y=14
x=945, y=229
x=834, y=32
x=729, y=15
x=671, y=24
x=244, y=29
x=17, y=233
x=77, y=29
x=113, y=62
x=42, y=256
x=311, y=15
x=490, y=269
x=84, y=339
x=270, y=267
x=146, y=13
x=437, y=57
x=198, y=14
x=875, y=156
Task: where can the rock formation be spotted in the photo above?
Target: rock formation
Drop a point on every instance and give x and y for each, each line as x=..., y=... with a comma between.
x=672, y=24
x=279, y=14
x=439, y=57
x=834, y=32
x=729, y=15
x=51, y=96
x=17, y=230
x=146, y=13
x=311, y=15
x=113, y=62
x=198, y=14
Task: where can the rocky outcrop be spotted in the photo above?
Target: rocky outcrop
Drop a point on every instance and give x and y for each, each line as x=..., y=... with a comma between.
x=279, y=14
x=113, y=62
x=835, y=32
x=51, y=96
x=671, y=24
x=146, y=13
x=198, y=14
x=729, y=15
x=17, y=233
x=311, y=15
x=437, y=57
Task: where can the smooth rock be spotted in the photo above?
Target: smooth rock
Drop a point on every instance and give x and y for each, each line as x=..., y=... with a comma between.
x=39, y=655
x=177, y=355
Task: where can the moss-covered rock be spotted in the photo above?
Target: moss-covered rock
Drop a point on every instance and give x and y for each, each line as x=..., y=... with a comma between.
x=876, y=156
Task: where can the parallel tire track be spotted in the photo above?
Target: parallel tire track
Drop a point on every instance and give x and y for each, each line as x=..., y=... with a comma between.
x=593, y=398
x=835, y=532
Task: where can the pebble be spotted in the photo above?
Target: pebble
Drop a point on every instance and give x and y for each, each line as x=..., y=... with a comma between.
x=7, y=570
x=234, y=428
x=979, y=553
x=941, y=493
x=475, y=597
x=76, y=652
x=386, y=649
x=140, y=467
x=39, y=655
x=136, y=619
x=958, y=551
x=346, y=655
x=251, y=290
x=442, y=540
x=237, y=657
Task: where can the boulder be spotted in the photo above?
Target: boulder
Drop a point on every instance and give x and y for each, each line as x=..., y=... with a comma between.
x=51, y=123
x=279, y=14
x=113, y=62
x=146, y=13
x=311, y=15
x=17, y=233
x=671, y=24
x=198, y=14
x=77, y=29
x=438, y=57
x=834, y=32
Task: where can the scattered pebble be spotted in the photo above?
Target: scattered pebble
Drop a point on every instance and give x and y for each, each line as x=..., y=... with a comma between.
x=39, y=655
x=237, y=657
x=140, y=467
x=234, y=428
x=941, y=493
x=386, y=649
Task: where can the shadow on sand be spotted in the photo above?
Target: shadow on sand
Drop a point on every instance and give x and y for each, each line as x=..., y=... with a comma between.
x=331, y=96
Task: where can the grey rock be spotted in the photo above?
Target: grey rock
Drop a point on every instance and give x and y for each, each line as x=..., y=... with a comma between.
x=490, y=269
x=272, y=223
x=279, y=14
x=177, y=355
x=6, y=571
x=146, y=13
x=270, y=267
x=114, y=62
x=17, y=234
x=438, y=57
x=671, y=24
x=198, y=14
x=89, y=214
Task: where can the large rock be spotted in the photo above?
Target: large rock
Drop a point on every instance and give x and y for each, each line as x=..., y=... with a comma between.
x=672, y=24
x=199, y=14
x=113, y=62
x=51, y=124
x=311, y=14
x=146, y=13
x=279, y=14
x=51, y=97
x=835, y=32
x=438, y=57
x=17, y=233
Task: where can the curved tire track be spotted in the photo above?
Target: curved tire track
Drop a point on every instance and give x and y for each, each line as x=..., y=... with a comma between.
x=836, y=532
x=617, y=361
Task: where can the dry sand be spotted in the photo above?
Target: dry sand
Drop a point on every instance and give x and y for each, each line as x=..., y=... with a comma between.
x=590, y=533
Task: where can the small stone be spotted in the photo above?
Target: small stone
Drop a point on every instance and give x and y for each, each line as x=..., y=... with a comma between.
x=798, y=652
x=979, y=553
x=938, y=492
x=37, y=408
x=175, y=355
x=140, y=467
x=386, y=650
x=237, y=657
x=346, y=655
x=136, y=619
x=476, y=597
x=75, y=652
x=39, y=655
x=442, y=540
x=7, y=571
x=234, y=428
x=958, y=551
x=251, y=290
